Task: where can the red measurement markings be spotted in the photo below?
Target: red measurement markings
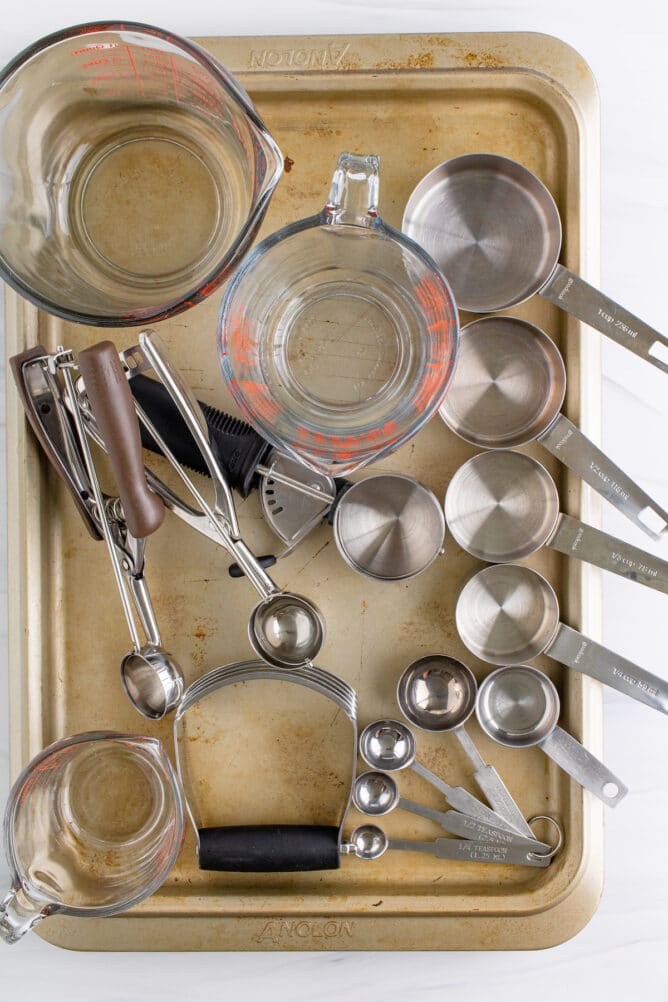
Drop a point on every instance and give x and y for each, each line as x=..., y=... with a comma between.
x=264, y=407
x=140, y=82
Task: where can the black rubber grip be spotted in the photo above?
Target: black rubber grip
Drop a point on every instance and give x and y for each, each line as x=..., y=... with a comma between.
x=268, y=560
x=269, y=848
x=237, y=446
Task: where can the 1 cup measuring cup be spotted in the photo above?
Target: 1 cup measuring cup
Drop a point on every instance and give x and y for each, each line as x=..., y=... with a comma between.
x=93, y=826
x=134, y=173
x=338, y=335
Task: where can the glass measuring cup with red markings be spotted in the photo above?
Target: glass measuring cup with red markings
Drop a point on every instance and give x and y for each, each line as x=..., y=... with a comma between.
x=338, y=335
x=134, y=173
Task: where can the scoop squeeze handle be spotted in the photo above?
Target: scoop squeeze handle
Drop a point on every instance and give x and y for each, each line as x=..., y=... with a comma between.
x=269, y=848
x=565, y=441
x=581, y=300
x=114, y=412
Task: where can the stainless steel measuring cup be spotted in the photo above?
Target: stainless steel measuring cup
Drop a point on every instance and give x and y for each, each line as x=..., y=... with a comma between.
x=507, y=614
x=93, y=825
x=377, y=793
x=438, y=693
x=135, y=173
x=508, y=389
x=518, y=706
x=503, y=506
x=495, y=231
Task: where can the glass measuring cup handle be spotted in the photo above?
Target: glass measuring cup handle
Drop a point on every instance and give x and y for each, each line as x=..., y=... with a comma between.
x=577, y=297
x=576, y=539
x=584, y=767
x=584, y=655
x=353, y=195
x=19, y=913
x=269, y=848
x=565, y=441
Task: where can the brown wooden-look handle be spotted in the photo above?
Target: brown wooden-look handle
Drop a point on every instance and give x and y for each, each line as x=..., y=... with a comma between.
x=114, y=412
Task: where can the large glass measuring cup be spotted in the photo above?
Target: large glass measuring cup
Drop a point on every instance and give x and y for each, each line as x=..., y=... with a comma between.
x=134, y=172
x=93, y=826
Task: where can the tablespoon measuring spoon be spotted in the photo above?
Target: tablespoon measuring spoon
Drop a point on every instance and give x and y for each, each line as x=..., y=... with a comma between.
x=518, y=706
x=389, y=745
x=507, y=614
x=503, y=506
x=437, y=693
x=371, y=842
x=377, y=793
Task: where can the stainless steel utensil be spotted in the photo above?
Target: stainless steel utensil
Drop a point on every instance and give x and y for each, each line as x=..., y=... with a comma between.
x=507, y=390
x=518, y=706
x=388, y=745
x=389, y=527
x=494, y=230
x=503, y=506
x=507, y=614
x=151, y=677
x=438, y=693
x=377, y=793
x=285, y=630
x=266, y=848
x=371, y=842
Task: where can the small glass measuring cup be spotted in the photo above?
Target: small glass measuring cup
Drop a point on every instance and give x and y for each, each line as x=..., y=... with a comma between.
x=134, y=172
x=93, y=826
x=338, y=335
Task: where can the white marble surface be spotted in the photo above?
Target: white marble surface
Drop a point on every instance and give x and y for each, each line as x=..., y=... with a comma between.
x=620, y=954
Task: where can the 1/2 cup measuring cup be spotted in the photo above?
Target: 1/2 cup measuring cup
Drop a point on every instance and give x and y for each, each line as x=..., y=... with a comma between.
x=93, y=826
x=134, y=173
x=338, y=335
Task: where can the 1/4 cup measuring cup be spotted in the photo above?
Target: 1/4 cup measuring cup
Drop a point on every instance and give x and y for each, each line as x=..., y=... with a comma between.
x=134, y=173
x=338, y=335
x=92, y=826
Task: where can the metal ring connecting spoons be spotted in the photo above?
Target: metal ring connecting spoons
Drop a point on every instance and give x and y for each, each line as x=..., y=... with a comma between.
x=507, y=614
x=503, y=506
x=370, y=842
x=494, y=229
x=389, y=746
x=519, y=707
x=508, y=389
x=377, y=793
x=285, y=630
x=438, y=693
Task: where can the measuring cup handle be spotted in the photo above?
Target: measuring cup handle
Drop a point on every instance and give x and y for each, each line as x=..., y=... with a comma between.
x=584, y=655
x=269, y=848
x=577, y=297
x=114, y=412
x=576, y=539
x=575, y=450
x=584, y=767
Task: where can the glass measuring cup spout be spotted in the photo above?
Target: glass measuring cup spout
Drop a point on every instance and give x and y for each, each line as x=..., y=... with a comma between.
x=92, y=827
x=338, y=334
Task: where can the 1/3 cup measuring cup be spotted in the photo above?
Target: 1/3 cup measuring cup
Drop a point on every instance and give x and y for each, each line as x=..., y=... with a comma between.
x=93, y=826
x=134, y=173
x=338, y=334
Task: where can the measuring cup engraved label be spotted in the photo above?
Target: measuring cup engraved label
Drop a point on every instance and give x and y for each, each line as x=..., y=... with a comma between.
x=507, y=391
x=500, y=257
x=152, y=175
x=338, y=335
x=507, y=614
x=503, y=506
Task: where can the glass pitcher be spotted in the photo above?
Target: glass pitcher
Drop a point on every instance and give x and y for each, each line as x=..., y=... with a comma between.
x=338, y=334
x=93, y=826
x=134, y=173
